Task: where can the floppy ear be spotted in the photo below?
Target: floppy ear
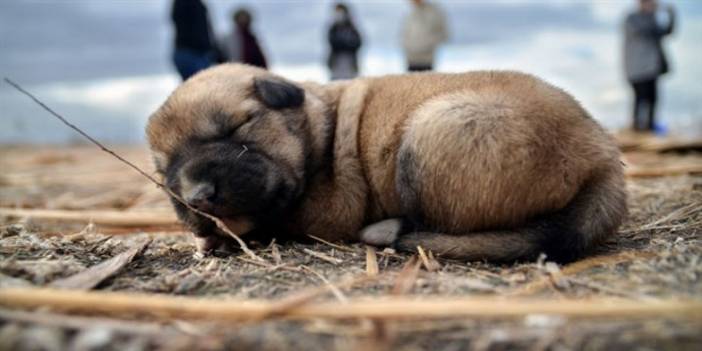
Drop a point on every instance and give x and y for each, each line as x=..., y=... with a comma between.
x=278, y=94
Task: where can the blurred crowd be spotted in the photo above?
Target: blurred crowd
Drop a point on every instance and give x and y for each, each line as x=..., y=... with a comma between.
x=197, y=47
x=423, y=30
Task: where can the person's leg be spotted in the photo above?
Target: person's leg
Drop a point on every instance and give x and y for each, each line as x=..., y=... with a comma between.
x=647, y=104
x=652, y=98
x=637, y=120
x=180, y=61
x=413, y=67
x=188, y=62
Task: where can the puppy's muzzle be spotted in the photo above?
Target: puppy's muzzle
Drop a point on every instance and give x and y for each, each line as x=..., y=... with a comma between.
x=200, y=196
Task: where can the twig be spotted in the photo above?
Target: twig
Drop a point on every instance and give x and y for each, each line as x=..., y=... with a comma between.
x=91, y=277
x=662, y=171
x=336, y=246
x=605, y=260
x=101, y=217
x=388, y=308
x=577, y=267
x=677, y=214
x=335, y=290
x=269, y=266
x=170, y=192
x=322, y=256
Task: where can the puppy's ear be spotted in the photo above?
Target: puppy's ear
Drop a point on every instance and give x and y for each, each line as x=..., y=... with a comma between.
x=278, y=94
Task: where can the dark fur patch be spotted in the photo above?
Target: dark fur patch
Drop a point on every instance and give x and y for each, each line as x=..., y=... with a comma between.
x=278, y=94
x=595, y=213
x=407, y=184
x=557, y=237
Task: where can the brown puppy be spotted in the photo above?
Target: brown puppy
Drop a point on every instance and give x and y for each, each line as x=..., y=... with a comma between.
x=479, y=165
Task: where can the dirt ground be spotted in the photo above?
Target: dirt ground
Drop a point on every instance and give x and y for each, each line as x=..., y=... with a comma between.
x=656, y=256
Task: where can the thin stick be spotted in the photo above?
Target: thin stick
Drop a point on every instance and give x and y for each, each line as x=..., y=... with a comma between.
x=323, y=256
x=102, y=217
x=336, y=291
x=336, y=246
x=662, y=171
x=383, y=308
x=216, y=220
x=577, y=267
x=269, y=266
x=91, y=277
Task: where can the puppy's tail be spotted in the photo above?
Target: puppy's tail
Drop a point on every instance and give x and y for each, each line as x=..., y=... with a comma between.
x=565, y=235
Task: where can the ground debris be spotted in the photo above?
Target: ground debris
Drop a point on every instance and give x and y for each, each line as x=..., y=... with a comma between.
x=657, y=255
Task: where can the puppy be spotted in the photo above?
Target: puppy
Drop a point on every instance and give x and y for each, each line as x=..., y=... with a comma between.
x=497, y=166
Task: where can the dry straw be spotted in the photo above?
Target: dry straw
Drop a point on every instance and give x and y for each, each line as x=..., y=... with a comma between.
x=403, y=307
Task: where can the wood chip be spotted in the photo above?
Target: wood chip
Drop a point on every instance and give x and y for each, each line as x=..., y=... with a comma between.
x=276, y=254
x=91, y=277
x=407, y=277
x=430, y=264
x=371, y=262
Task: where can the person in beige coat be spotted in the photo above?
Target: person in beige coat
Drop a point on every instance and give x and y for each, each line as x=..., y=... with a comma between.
x=422, y=32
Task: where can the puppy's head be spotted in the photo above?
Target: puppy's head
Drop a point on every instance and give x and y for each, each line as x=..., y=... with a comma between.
x=232, y=141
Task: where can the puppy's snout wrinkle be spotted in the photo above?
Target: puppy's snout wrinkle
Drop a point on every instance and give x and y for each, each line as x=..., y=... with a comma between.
x=200, y=196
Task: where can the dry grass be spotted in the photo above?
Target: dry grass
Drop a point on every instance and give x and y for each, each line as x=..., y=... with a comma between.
x=657, y=257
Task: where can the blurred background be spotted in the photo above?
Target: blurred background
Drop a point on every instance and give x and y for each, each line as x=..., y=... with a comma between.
x=106, y=64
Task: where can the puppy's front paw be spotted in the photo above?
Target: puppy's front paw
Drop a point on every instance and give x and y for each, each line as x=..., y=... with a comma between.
x=383, y=233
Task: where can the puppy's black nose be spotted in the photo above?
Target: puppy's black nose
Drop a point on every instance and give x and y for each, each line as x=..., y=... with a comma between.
x=200, y=196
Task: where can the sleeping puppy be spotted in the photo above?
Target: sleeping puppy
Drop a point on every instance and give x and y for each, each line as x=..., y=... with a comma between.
x=497, y=166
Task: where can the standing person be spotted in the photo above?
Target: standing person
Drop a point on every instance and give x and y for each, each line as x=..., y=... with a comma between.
x=644, y=60
x=344, y=41
x=194, y=49
x=424, y=29
x=241, y=44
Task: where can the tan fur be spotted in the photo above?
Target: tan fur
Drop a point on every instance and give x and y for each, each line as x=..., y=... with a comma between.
x=472, y=152
x=334, y=207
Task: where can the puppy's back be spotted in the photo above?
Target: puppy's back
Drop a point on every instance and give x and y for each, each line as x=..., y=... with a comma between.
x=492, y=124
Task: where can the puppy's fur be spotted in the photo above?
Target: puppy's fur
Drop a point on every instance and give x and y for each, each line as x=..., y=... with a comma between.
x=479, y=165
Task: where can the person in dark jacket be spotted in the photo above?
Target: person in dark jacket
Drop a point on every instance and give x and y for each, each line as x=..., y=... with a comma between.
x=345, y=41
x=644, y=59
x=194, y=49
x=241, y=45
